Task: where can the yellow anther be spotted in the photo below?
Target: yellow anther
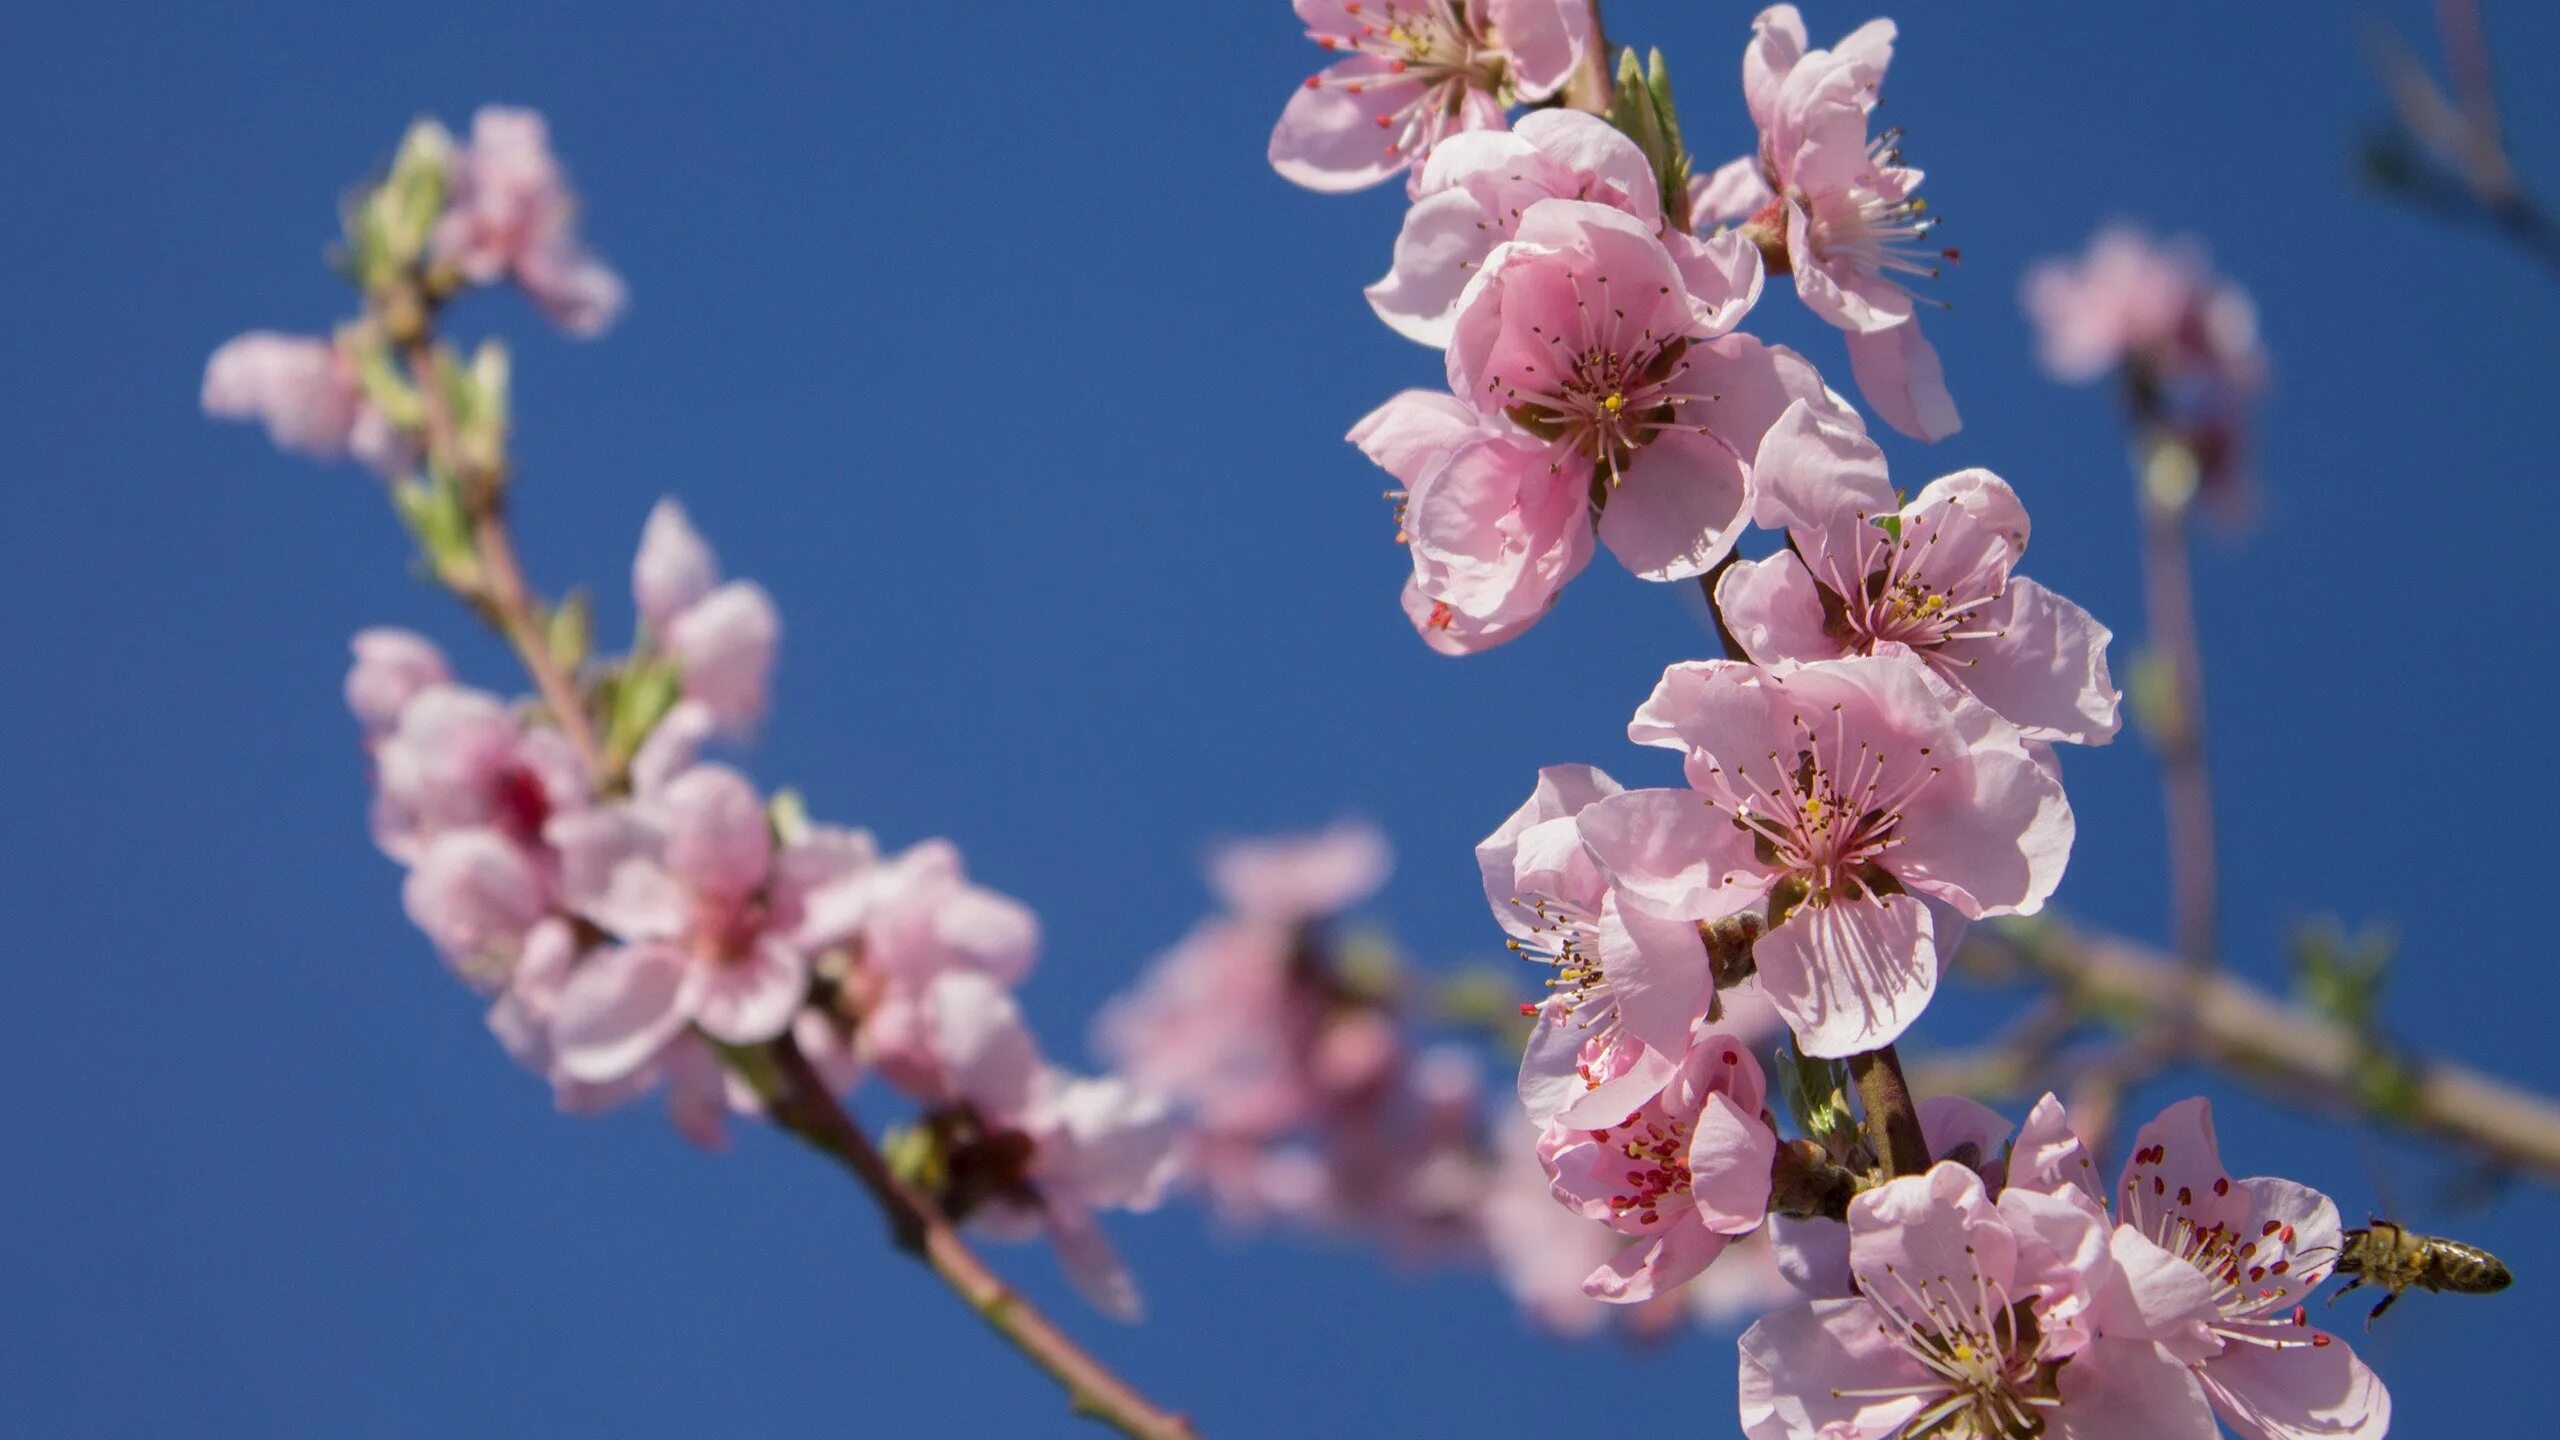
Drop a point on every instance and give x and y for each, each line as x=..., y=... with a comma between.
x=1614, y=403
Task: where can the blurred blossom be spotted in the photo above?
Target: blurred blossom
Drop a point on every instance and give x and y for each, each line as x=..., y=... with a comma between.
x=511, y=216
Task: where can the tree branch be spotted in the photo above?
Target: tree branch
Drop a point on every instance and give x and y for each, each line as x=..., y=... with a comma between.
x=2289, y=1055
x=807, y=1109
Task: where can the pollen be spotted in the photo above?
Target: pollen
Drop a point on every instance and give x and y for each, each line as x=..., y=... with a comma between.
x=1615, y=402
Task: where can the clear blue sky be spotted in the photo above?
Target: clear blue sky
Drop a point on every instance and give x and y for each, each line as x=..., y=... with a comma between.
x=984, y=338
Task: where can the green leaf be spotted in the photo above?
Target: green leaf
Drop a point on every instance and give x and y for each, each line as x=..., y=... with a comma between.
x=571, y=632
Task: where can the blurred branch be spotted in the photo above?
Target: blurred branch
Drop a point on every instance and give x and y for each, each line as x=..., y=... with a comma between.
x=2285, y=1051
x=803, y=1104
x=2447, y=153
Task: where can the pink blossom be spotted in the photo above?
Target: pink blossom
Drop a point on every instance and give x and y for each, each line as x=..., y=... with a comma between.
x=1472, y=194
x=459, y=759
x=1415, y=72
x=1680, y=1176
x=1865, y=575
x=2136, y=301
x=1222, y=1025
x=2249, y=1253
x=476, y=893
x=510, y=215
x=306, y=392
x=715, y=921
x=1837, y=209
x=392, y=667
x=722, y=636
x=1969, y=1319
x=914, y=918
x=1295, y=879
x=1626, y=985
x=1844, y=794
x=1092, y=1144
x=1597, y=405
x=1812, y=1252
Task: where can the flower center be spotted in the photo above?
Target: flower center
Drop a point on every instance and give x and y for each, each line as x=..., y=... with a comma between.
x=1609, y=391
x=1825, y=822
x=1875, y=225
x=1985, y=1382
x=1657, y=1151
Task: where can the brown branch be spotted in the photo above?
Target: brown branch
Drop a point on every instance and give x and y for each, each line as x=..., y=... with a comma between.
x=501, y=594
x=2168, y=592
x=2288, y=1054
x=1893, y=1121
x=809, y=1110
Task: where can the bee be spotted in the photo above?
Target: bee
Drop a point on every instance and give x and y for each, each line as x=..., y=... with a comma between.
x=2394, y=1257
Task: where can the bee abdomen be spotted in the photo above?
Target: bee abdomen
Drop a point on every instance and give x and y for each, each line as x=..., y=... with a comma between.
x=2463, y=1269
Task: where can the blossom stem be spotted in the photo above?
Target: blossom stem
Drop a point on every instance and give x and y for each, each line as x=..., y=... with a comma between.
x=1893, y=1121
x=2169, y=595
x=1715, y=612
x=807, y=1108
x=499, y=590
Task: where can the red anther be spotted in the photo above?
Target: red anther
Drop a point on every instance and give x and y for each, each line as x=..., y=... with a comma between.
x=1528, y=1009
x=1385, y=120
x=2288, y=1234
x=2159, y=1186
x=1732, y=1058
x=2186, y=1196
x=2279, y=1267
x=2301, y=1316
x=1328, y=42
x=2222, y=1186
x=1395, y=67
x=1951, y=253
x=2319, y=1342
x=2272, y=1227
x=1315, y=82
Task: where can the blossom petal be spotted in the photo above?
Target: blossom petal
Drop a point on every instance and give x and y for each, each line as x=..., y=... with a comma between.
x=751, y=999
x=1335, y=133
x=1899, y=373
x=619, y=1009
x=1677, y=508
x=1659, y=1265
x=1850, y=976
x=1675, y=853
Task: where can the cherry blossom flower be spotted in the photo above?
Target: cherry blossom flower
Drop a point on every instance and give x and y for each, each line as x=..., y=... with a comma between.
x=305, y=390
x=715, y=920
x=1969, y=1320
x=2133, y=300
x=459, y=758
x=1844, y=794
x=2184, y=340
x=1293, y=880
x=511, y=216
x=1044, y=1148
x=1681, y=1175
x=1837, y=209
x=392, y=667
x=1597, y=405
x=1472, y=194
x=1864, y=576
x=912, y=919
x=1812, y=1252
x=1415, y=72
x=2250, y=1252
x=722, y=636
x=1626, y=985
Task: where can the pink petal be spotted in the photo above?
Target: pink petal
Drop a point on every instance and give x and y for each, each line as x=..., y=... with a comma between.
x=1733, y=192
x=1729, y=1156
x=674, y=568
x=725, y=646
x=2129, y=1390
x=1675, y=853
x=2305, y=1391
x=751, y=999
x=618, y=1010
x=1657, y=973
x=1415, y=431
x=1545, y=41
x=1296, y=878
x=1443, y=243
x=1329, y=137
x=1778, y=41
x=2045, y=670
x=978, y=1035
x=1813, y=467
x=1898, y=372
x=1774, y=608
x=1657, y=1266
x=1851, y=975
x=1091, y=1263
x=1678, y=508
x=719, y=842
x=1797, y=1362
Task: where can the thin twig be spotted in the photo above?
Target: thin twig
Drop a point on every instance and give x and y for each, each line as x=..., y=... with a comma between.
x=808, y=1108
x=502, y=595
x=2169, y=596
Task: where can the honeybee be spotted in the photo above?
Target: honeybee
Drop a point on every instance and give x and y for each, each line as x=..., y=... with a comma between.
x=2394, y=1257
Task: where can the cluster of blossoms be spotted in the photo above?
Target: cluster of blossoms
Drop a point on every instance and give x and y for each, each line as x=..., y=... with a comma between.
x=1291, y=1048
x=497, y=209
x=1599, y=388
x=2181, y=341
x=2000, y=1293
x=639, y=918
x=1871, y=770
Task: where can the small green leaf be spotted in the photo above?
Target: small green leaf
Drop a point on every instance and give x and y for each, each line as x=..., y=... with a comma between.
x=571, y=632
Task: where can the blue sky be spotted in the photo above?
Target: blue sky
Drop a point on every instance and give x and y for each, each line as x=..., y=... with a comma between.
x=986, y=341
